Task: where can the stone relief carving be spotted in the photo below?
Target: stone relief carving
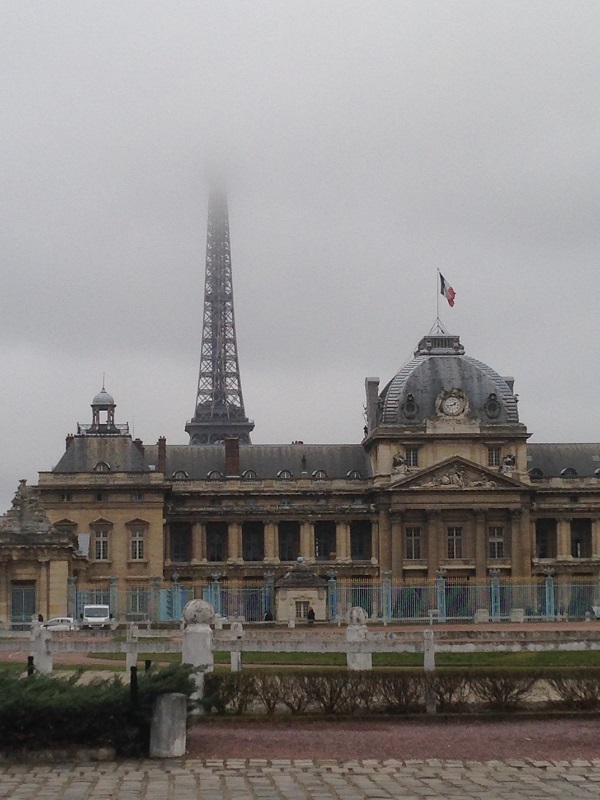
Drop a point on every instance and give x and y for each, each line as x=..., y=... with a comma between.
x=455, y=479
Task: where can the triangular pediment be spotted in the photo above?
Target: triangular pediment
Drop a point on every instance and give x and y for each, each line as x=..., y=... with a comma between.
x=453, y=474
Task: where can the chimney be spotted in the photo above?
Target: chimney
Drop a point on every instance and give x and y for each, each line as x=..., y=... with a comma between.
x=139, y=444
x=232, y=456
x=69, y=440
x=162, y=455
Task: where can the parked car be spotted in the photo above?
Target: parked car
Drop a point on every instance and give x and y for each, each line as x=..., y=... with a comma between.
x=60, y=624
x=96, y=616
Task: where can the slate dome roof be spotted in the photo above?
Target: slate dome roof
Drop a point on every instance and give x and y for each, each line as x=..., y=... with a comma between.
x=103, y=398
x=440, y=366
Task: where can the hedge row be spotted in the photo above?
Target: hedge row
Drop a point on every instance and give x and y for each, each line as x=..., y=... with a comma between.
x=406, y=691
x=46, y=712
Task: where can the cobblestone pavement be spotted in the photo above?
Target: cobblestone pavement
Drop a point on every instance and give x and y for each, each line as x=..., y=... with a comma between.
x=284, y=779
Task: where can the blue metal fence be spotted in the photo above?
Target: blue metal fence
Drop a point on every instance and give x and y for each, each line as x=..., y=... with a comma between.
x=445, y=599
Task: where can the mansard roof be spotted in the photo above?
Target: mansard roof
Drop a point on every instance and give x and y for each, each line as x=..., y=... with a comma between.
x=83, y=453
x=553, y=459
x=267, y=460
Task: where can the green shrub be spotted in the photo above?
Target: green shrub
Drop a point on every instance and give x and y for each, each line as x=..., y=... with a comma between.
x=502, y=689
x=576, y=688
x=46, y=712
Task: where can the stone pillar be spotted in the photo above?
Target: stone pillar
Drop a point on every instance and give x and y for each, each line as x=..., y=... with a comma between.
x=595, y=541
x=341, y=553
x=435, y=540
x=526, y=536
x=199, y=542
x=4, y=596
x=397, y=545
x=168, y=727
x=307, y=541
x=43, y=588
x=271, y=542
x=375, y=539
x=563, y=538
x=356, y=633
x=385, y=539
x=234, y=541
x=481, y=544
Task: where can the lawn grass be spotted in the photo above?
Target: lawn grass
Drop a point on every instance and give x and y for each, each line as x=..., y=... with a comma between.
x=555, y=658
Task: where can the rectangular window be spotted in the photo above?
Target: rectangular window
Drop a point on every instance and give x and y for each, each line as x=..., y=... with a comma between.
x=101, y=497
x=180, y=541
x=137, y=544
x=289, y=540
x=101, y=545
x=217, y=539
x=137, y=496
x=413, y=543
x=301, y=609
x=138, y=601
x=325, y=540
x=455, y=542
x=412, y=456
x=494, y=456
x=360, y=540
x=496, y=542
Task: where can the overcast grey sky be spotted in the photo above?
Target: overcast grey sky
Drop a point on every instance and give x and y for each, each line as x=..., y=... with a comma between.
x=368, y=144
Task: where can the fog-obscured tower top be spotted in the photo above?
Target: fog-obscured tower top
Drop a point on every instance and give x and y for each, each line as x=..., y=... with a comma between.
x=219, y=411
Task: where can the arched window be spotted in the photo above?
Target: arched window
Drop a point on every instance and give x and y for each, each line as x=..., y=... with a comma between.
x=354, y=475
x=536, y=474
x=102, y=466
x=568, y=472
x=180, y=475
x=215, y=475
x=285, y=475
x=250, y=475
x=319, y=475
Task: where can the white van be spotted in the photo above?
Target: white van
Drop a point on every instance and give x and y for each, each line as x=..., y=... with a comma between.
x=95, y=616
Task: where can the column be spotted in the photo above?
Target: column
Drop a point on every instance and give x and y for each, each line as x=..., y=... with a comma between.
x=43, y=589
x=341, y=541
x=515, y=538
x=397, y=544
x=307, y=541
x=198, y=542
x=271, y=548
x=385, y=540
x=595, y=539
x=375, y=539
x=234, y=541
x=563, y=538
x=526, y=535
x=480, y=544
x=435, y=541
x=4, y=595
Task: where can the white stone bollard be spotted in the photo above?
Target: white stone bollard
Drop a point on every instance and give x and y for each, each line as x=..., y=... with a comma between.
x=237, y=632
x=197, y=645
x=429, y=666
x=357, y=632
x=218, y=622
x=40, y=639
x=168, y=726
x=131, y=648
x=291, y=622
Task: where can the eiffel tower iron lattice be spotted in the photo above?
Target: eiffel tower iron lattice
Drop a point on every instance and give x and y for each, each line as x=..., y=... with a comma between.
x=219, y=411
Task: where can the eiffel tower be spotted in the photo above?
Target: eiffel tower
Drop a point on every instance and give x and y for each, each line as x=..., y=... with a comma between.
x=219, y=412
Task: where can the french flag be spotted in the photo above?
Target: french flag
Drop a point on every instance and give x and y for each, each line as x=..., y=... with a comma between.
x=447, y=291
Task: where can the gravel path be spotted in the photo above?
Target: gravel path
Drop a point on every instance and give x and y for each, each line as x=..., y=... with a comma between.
x=548, y=739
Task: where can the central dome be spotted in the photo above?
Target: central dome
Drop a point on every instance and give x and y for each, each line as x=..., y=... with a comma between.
x=439, y=371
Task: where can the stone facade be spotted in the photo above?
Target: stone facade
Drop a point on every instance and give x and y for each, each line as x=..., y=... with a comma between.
x=443, y=480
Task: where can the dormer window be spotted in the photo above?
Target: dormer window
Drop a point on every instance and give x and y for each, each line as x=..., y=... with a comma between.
x=250, y=475
x=180, y=475
x=536, y=474
x=284, y=475
x=102, y=466
x=215, y=475
x=354, y=475
x=319, y=475
x=568, y=472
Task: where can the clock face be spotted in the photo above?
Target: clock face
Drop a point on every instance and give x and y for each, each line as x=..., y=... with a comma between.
x=452, y=405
